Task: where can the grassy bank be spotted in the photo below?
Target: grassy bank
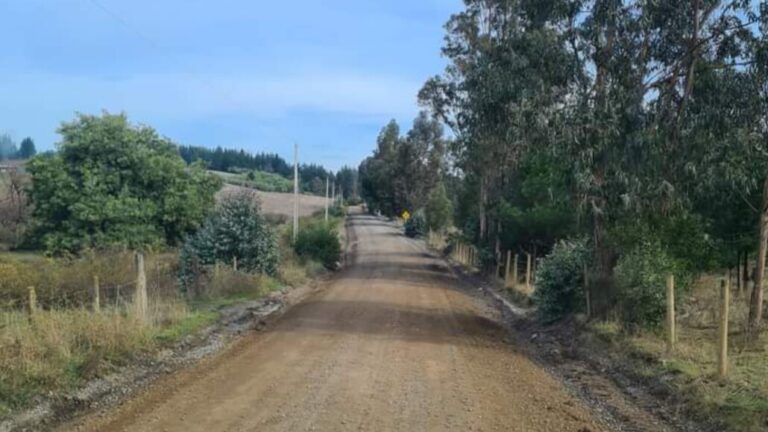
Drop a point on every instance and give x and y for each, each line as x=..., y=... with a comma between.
x=738, y=402
x=65, y=342
x=688, y=377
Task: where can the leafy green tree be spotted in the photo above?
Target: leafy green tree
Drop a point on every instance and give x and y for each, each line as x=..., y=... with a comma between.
x=439, y=208
x=26, y=149
x=115, y=184
x=348, y=181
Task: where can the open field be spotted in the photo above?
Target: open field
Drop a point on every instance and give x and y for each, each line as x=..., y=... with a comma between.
x=276, y=203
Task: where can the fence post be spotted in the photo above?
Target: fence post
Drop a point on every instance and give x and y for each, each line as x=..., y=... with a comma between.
x=528, y=272
x=32, y=305
x=671, y=336
x=140, y=298
x=234, y=263
x=216, y=269
x=722, y=357
x=507, y=269
x=96, y=294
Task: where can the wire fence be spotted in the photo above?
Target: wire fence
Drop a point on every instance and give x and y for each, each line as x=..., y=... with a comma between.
x=110, y=279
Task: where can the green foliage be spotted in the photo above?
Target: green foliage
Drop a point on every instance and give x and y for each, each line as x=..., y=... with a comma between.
x=231, y=160
x=416, y=225
x=560, y=280
x=403, y=170
x=319, y=242
x=114, y=184
x=270, y=182
x=26, y=149
x=439, y=208
x=236, y=229
x=641, y=279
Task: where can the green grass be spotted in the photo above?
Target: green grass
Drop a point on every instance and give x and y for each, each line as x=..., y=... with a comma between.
x=192, y=323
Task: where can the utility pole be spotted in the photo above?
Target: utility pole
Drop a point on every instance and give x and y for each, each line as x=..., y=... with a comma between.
x=295, y=191
x=327, y=183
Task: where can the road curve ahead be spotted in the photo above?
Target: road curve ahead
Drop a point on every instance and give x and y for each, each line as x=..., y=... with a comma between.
x=392, y=344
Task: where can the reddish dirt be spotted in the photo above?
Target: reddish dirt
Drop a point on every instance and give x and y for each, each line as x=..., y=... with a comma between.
x=394, y=343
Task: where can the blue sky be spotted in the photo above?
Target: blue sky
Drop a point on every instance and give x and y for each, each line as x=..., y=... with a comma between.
x=237, y=73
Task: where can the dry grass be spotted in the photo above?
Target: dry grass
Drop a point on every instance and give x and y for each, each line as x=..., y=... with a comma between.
x=275, y=203
x=66, y=343
x=57, y=349
x=741, y=400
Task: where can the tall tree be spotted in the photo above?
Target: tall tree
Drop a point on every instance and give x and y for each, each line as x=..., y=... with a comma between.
x=115, y=184
x=27, y=149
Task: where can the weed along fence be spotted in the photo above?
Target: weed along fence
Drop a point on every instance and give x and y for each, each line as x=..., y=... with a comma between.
x=698, y=328
x=707, y=332
x=127, y=282
x=516, y=271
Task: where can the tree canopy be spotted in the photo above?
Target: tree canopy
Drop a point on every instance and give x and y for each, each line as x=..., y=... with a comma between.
x=112, y=183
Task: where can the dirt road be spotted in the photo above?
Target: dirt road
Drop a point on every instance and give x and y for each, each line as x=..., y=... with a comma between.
x=393, y=344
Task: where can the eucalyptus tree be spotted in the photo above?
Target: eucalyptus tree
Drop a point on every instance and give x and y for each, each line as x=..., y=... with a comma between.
x=508, y=72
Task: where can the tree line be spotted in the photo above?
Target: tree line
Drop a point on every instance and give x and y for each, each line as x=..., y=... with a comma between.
x=10, y=151
x=638, y=129
x=312, y=176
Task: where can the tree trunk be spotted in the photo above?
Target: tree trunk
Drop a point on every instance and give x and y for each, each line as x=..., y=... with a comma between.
x=745, y=275
x=756, y=302
x=482, y=212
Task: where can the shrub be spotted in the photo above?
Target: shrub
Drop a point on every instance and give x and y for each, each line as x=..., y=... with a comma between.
x=319, y=242
x=641, y=281
x=416, y=226
x=560, y=280
x=236, y=229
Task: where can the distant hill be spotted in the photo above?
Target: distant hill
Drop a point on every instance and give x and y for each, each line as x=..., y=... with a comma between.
x=276, y=203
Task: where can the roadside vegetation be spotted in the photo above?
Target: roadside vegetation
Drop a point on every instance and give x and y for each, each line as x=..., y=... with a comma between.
x=616, y=144
x=68, y=267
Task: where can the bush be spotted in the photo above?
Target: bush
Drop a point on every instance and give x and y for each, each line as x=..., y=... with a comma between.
x=560, y=280
x=319, y=242
x=416, y=226
x=236, y=229
x=641, y=281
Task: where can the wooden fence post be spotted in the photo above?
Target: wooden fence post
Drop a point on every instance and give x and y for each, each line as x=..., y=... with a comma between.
x=671, y=336
x=528, y=272
x=234, y=263
x=32, y=305
x=140, y=297
x=96, y=294
x=507, y=269
x=722, y=355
